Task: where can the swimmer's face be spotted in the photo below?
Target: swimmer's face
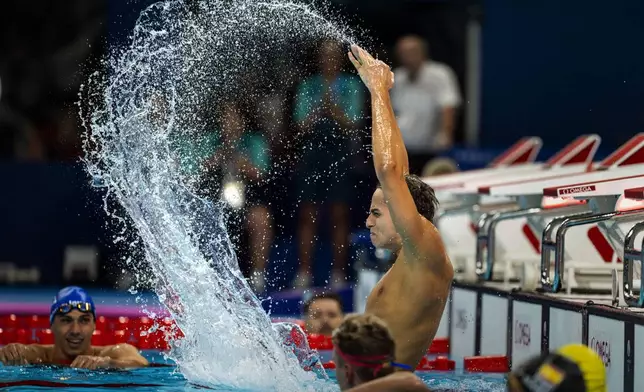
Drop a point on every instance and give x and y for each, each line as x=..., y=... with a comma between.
x=324, y=316
x=73, y=332
x=411, y=53
x=331, y=57
x=344, y=373
x=380, y=225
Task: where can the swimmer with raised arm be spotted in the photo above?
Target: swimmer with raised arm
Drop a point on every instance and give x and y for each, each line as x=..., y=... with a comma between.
x=411, y=296
x=73, y=321
x=363, y=352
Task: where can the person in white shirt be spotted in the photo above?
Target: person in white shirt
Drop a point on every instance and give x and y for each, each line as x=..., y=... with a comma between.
x=425, y=98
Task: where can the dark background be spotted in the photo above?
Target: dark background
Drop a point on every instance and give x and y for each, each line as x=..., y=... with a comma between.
x=554, y=69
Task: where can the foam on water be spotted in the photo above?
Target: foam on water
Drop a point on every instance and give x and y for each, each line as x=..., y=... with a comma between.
x=185, y=57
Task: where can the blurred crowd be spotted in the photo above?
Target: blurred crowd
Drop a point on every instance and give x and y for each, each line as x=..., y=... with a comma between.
x=308, y=137
x=46, y=52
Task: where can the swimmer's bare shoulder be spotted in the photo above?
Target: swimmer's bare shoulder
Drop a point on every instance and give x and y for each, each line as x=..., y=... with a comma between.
x=396, y=382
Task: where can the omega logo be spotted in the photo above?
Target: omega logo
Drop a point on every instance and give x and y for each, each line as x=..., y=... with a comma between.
x=521, y=333
x=602, y=348
x=461, y=319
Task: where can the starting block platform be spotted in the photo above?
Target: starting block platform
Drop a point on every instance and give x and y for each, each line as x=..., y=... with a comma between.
x=549, y=255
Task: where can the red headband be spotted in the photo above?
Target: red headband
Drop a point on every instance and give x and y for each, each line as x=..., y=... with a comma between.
x=376, y=362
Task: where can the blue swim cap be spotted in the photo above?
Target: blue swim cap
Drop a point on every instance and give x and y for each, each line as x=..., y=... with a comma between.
x=71, y=298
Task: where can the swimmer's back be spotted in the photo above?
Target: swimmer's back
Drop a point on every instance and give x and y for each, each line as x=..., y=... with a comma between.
x=411, y=297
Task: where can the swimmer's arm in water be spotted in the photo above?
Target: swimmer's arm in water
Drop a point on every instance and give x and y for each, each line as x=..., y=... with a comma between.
x=397, y=382
x=392, y=165
x=24, y=354
x=122, y=356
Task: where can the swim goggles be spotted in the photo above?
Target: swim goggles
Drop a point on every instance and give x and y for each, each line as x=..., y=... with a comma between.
x=84, y=307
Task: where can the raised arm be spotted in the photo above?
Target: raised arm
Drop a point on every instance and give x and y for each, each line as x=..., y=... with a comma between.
x=389, y=153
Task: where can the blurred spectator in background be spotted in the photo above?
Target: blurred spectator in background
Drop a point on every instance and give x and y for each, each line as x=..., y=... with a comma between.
x=439, y=166
x=323, y=313
x=328, y=107
x=425, y=97
x=46, y=52
x=18, y=137
x=240, y=165
x=231, y=164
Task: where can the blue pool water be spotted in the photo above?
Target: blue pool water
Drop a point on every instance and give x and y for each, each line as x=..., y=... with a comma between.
x=166, y=378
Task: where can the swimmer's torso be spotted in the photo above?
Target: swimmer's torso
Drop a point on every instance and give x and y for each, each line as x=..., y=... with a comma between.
x=410, y=298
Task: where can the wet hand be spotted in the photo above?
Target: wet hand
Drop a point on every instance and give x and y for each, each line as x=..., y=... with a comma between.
x=375, y=74
x=90, y=362
x=14, y=354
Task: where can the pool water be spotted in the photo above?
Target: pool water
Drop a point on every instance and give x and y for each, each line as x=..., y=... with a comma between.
x=166, y=378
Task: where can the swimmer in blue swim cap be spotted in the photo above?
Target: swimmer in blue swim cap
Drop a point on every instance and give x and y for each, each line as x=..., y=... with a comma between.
x=73, y=321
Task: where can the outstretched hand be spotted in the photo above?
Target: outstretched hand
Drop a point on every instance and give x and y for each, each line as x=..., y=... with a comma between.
x=375, y=74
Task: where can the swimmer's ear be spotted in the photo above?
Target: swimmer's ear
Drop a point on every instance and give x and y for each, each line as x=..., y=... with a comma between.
x=348, y=372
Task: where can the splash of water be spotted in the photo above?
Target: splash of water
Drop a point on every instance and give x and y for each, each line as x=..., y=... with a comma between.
x=185, y=57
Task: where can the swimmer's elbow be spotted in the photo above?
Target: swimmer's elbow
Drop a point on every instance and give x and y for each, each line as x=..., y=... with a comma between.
x=388, y=169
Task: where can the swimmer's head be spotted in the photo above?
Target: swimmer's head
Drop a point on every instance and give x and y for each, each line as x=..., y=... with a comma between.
x=412, y=51
x=363, y=350
x=323, y=313
x=331, y=57
x=381, y=225
x=73, y=321
x=572, y=368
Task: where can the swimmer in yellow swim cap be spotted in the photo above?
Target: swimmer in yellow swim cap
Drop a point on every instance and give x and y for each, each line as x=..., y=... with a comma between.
x=572, y=368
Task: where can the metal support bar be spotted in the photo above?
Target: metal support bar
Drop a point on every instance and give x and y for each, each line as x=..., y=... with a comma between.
x=486, y=234
x=486, y=239
x=631, y=255
x=481, y=226
x=548, y=246
x=454, y=211
x=580, y=221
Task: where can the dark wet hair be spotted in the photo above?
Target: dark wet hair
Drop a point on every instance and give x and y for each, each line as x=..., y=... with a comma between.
x=423, y=195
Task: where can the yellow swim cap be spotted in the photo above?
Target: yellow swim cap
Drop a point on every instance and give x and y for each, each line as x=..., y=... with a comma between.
x=589, y=363
x=572, y=368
